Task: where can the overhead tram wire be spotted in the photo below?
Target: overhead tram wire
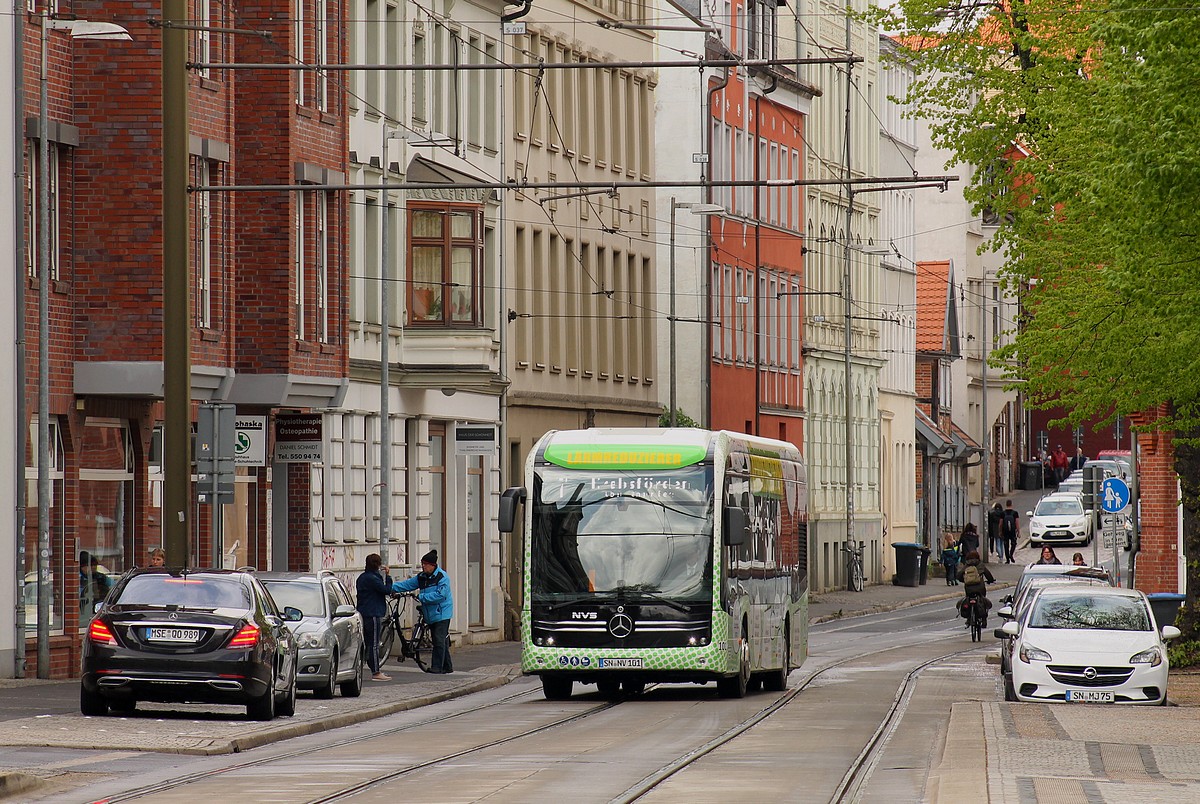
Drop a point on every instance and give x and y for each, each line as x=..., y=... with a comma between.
x=690, y=64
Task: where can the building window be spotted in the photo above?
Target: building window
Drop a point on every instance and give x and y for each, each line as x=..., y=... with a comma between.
x=202, y=242
x=420, y=111
x=445, y=250
x=298, y=266
x=201, y=36
x=105, y=512
x=321, y=267
x=321, y=55
x=301, y=50
x=33, y=210
x=56, y=527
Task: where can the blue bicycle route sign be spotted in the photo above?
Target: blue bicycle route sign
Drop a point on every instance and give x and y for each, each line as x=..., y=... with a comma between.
x=1114, y=495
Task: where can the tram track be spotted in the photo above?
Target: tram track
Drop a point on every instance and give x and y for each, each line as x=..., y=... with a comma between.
x=855, y=778
x=200, y=776
x=860, y=770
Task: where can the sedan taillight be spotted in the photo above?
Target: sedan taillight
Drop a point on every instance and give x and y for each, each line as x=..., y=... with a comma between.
x=98, y=632
x=246, y=638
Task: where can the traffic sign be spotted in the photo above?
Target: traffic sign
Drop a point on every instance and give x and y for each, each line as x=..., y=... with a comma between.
x=1114, y=495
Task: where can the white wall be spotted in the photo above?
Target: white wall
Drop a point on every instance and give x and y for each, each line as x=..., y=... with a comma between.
x=10, y=268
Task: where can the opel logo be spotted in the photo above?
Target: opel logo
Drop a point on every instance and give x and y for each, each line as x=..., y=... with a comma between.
x=620, y=626
x=1089, y=673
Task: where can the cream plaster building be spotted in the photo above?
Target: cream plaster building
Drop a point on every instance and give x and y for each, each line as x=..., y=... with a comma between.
x=438, y=127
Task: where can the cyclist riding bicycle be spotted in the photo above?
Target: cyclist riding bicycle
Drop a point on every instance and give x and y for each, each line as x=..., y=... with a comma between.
x=975, y=578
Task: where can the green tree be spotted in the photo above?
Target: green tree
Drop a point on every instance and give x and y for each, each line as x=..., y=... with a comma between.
x=681, y=418
x=1085, y=120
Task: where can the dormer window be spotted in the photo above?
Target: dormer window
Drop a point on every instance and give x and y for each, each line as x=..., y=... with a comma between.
x=761, y=29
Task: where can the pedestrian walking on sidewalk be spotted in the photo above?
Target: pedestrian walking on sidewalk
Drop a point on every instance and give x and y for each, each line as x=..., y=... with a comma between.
x=968, y=542
x=1060, y=462
x=995, y=536
x=950, y=560
x=1010, y=529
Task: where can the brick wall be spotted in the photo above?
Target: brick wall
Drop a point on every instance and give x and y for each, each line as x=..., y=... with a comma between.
x=1157, y=567
x=299, y=480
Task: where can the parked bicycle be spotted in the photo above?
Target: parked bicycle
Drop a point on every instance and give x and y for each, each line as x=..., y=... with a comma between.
x=854, y=566
x=415, y=642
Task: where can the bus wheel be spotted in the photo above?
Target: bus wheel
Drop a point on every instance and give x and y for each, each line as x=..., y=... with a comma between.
x=737, y=686
x=776, y=680
x=609, y=689
x=556, y=688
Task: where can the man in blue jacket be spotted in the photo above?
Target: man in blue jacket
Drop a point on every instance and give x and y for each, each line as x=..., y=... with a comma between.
x=433, y=591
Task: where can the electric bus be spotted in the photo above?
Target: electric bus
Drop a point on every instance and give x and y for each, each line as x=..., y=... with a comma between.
x=662, y=555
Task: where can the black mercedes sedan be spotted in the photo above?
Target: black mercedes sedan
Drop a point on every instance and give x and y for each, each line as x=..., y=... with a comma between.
x=190, y=636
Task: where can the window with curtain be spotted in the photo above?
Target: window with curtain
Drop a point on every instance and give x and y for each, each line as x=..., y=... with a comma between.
x=445, y=255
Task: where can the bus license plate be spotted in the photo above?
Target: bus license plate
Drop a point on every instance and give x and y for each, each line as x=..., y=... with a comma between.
x=173, y=634
x=1089, y=696
x=621, y=664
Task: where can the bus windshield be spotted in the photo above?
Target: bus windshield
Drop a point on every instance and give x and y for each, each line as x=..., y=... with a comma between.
x=622, y=532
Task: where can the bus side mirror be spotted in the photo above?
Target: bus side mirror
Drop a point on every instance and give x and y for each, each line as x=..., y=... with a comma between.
x=733, y=526
x=507, y=515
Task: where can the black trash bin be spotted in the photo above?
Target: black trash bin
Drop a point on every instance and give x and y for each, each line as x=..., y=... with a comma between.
x=908, y=563
x=1031, y=475
x=925, y=551
x=1166, y=606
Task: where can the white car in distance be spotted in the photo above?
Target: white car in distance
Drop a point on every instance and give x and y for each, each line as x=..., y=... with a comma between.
x=1059, y=519
x=1088, y=645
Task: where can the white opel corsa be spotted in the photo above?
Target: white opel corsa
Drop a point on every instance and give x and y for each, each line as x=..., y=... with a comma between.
x=1088, y=645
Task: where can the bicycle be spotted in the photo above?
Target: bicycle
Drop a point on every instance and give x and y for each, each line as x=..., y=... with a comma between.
x=854, y=566
x=976, y=618
x=417, y=644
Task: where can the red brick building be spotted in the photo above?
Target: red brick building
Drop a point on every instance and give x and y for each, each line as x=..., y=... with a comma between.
x=756, y=288
x=268, y=278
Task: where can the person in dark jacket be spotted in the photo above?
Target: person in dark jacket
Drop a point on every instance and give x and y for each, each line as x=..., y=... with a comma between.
x=433, y=591
x=372, y=587
x=968, y=542
x=995, y=536
x=1010, y=529
x=975, y=577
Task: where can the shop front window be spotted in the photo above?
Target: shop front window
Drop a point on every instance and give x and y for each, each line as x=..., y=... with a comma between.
x=105, y=524
x=57, y=568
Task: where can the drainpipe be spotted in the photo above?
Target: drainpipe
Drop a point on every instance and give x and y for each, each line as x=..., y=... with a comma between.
x=22, y=434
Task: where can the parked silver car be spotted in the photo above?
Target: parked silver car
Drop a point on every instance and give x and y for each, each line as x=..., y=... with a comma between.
x=330, y=634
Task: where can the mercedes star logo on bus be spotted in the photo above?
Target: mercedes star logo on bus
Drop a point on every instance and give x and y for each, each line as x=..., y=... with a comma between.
x=620, y=626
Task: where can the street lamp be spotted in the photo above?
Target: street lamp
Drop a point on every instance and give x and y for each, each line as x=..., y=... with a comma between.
x=385, y=382
x=76, y=29
x=696, y=208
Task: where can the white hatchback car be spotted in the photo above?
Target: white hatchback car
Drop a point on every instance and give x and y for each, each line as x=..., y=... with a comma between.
x=1059, y=519
x=1088, y=645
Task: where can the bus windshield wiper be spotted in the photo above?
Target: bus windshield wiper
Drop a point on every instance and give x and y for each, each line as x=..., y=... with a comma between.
x=639, y=591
